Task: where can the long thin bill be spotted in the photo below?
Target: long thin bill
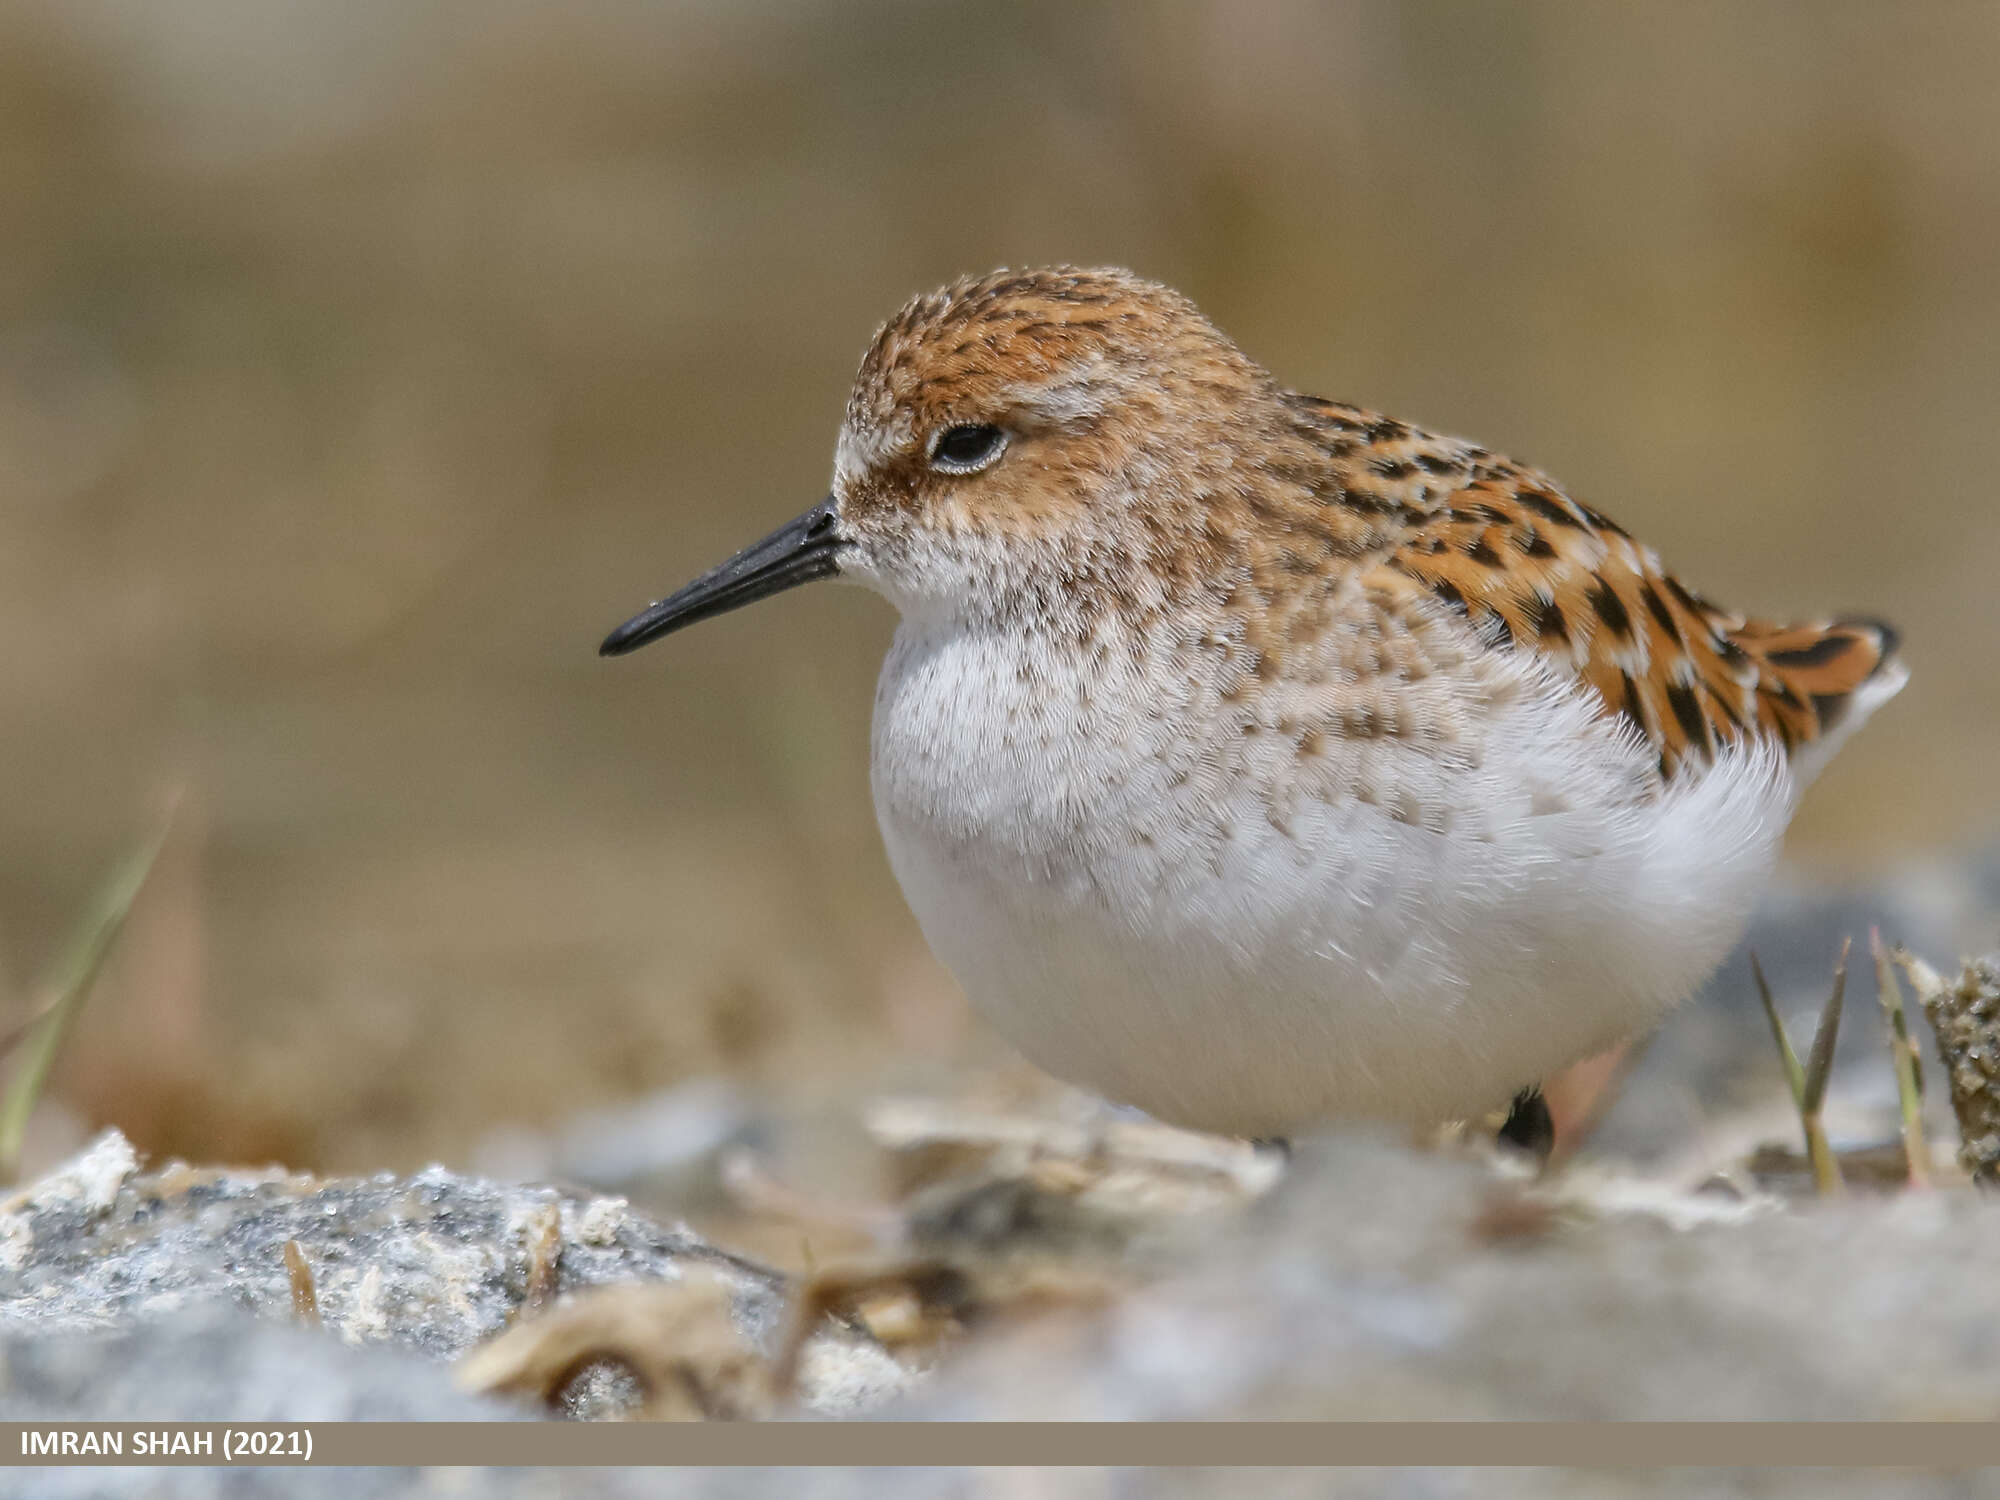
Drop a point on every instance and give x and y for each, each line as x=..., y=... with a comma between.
x=796, y=553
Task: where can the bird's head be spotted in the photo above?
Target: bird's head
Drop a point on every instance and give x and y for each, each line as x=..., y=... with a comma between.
x=1010, y=438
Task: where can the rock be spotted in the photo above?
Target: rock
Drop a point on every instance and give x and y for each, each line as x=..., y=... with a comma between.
x=435, y=1263
x=219, y=1361
x=1382, y=1283
x=1375, y=1281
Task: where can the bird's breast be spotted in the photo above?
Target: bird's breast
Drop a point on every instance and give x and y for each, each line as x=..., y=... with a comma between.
x=1241, y=916
x=1011, y=761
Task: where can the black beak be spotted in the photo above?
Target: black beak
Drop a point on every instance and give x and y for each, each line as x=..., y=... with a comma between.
x=796, y=553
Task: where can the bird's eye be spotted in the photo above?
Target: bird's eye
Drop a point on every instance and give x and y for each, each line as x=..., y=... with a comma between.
x=968, y=449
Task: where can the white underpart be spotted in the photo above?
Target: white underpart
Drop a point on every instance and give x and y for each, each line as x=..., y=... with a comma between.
x=1126, y=890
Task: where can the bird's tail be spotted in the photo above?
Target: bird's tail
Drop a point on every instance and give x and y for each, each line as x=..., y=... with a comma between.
x=1818, y=683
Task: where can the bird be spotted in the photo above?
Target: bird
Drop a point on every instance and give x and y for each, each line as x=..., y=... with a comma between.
x=1260, y=761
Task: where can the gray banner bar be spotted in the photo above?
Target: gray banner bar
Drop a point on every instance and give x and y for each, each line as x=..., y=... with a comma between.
x=1930, y=1445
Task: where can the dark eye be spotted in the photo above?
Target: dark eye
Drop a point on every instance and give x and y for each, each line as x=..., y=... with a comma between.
x=967, y=450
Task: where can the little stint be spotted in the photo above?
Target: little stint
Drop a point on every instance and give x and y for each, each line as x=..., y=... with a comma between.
x=1257, y=759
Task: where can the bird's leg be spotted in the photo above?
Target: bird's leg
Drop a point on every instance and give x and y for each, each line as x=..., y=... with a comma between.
x=1529, y=1126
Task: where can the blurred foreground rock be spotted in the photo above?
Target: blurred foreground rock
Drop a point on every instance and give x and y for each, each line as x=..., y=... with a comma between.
x=1381, y=1283
x=1109, y=1276
x=433, y=1264
x=1112, y=1273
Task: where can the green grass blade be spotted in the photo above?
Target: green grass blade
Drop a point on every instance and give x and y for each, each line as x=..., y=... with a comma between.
x=1819, y=1068
x=1903, y=1056
x=76, y=968
x=1795, y=1074
x=1819, y=1061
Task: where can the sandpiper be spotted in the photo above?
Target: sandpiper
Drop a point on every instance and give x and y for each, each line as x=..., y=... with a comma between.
x=1256, y=759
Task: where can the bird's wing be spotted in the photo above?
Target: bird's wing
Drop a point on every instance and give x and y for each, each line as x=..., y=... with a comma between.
x=1534, y=569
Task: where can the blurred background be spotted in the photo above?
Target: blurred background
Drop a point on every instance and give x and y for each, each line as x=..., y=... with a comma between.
x=362, y=363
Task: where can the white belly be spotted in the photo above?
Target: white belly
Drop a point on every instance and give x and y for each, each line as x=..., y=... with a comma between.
x=1132, y=891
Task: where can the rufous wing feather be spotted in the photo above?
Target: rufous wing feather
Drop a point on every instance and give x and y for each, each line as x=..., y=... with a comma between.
x=1534, y=569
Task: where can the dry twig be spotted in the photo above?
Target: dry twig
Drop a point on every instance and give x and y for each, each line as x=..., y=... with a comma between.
x=545, y=1247
x=678, y=1339
x=305, y=1296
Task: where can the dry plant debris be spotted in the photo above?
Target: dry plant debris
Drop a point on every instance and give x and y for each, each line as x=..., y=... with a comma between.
x=1002, y=1216
x=305, y=1296
x=545, y=1247
x=678, y=1340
